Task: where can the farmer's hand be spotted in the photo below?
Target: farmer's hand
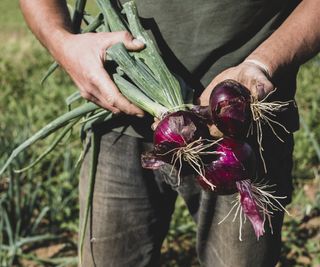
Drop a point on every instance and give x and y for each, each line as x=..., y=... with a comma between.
x=252, y=74
x=82, y=56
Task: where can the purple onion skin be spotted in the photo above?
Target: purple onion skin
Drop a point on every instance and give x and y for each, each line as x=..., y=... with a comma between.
x=231, y=172
x=230, y=108
x=203, y=112
x=174, y=131
x=150, y=161
x=250, y=207
x=177, y=130
x=235, y=162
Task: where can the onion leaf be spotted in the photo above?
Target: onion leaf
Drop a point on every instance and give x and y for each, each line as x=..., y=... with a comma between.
x=50, y=128
x=138, y=98
x=151, y=56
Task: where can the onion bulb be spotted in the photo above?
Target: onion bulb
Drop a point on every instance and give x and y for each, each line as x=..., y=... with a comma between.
x=230, y=108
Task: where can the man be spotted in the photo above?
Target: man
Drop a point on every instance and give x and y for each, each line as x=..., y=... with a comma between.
x=260, y=43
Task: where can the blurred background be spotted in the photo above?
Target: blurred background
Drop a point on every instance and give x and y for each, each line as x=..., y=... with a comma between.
x=39, y=208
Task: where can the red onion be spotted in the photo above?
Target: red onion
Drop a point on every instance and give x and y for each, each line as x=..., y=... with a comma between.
x=249, y=206
x=174, y=132
x=232, y=171
x=230, y=108
x=177, y=130
x=235, y=161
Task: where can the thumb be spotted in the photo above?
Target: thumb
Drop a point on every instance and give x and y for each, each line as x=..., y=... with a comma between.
x=132, y=43
x=124, y=37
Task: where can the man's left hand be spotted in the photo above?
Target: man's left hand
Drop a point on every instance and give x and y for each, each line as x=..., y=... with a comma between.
x=253, y=75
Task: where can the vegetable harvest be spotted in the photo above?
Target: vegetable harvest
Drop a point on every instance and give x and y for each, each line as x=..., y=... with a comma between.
x=234, y=170
x=182, y=139
x=230, y=108
x=235, y=112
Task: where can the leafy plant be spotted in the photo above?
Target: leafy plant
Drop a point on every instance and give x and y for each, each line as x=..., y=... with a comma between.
x=38, y=207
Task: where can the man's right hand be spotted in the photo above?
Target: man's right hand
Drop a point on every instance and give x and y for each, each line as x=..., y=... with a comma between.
x=82, y=56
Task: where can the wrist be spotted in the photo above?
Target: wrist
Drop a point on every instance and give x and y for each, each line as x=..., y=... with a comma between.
x=269, y=60
x=261, y=65
x=57, y=42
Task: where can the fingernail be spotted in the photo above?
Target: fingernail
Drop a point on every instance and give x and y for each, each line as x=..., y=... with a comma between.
x=137, y=42
x=140, y=115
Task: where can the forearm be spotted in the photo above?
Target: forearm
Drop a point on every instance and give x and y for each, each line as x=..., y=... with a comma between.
x=294, y=42
x=49, y=21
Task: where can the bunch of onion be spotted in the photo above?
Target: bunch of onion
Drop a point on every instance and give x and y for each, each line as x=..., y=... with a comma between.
x=181, y=137
x=238, y=114
x=233, y=168
x=146, y=81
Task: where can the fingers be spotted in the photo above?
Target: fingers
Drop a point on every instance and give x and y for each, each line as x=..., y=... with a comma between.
x=155, y=124
x=124, y=37
x=91, y=93
x=129, y=42
x=109, y=95
x=204, y=98
x=262, y=89
x=109, y=92
x=83, y=61
x=215, y=132
x=256, y=78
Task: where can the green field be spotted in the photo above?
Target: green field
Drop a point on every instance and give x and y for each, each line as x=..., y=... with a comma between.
x=39, y=208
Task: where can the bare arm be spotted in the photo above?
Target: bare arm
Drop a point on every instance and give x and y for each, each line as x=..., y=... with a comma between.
x=294, y=42
x=81, y=55
x=49, y=21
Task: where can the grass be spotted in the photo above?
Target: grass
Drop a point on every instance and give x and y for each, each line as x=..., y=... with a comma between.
x=10, y=17
x=49, y=192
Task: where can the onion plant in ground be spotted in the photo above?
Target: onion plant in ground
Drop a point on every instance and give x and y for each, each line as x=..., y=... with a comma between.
x=301, y=232
x=307, y=140
x=39, y=207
